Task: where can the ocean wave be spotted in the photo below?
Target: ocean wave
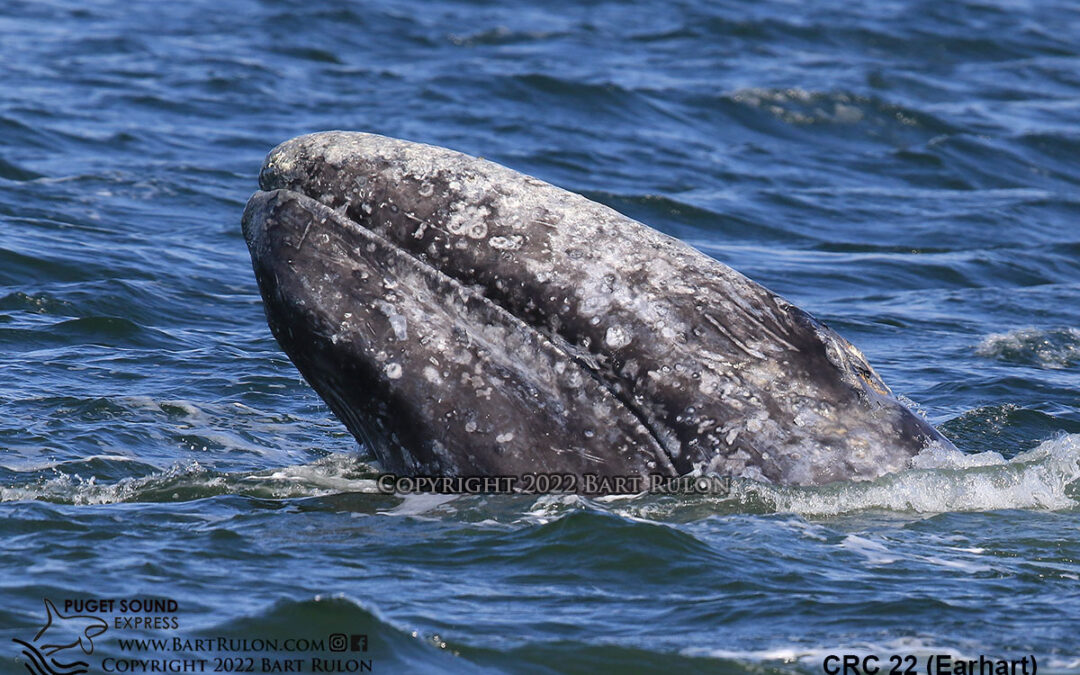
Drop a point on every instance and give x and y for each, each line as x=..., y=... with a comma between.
x=502, y=35
x=389, y=645
x=1045, y=348
x=80, y=482
x=14, y=172
x=394, y=646
x=802, y=107
x=940, y=480
x=944, y=480
x=1006, y=428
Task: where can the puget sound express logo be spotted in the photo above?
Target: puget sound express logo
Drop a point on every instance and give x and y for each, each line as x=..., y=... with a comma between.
x=69, y=643
x=57, y=648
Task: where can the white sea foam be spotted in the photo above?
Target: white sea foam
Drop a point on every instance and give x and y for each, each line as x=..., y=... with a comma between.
x=334, y=474
x=418, y=504
x=941, y=480
x=944, y=480
x=1047, y=348
x=875, y=552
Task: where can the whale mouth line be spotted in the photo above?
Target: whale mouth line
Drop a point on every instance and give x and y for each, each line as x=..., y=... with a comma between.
x=322, y=216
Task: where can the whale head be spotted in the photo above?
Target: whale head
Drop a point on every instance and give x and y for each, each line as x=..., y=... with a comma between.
x=464, y=319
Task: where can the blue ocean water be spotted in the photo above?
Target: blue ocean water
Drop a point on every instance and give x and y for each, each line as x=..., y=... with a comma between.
x=906, y=170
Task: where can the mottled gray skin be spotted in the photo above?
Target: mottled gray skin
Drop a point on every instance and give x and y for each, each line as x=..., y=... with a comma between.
x=465, y=319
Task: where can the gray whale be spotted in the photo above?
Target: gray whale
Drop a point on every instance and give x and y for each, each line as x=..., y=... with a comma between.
x=464, y=319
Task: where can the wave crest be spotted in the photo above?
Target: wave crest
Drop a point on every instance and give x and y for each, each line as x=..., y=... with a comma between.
x=940, y=480
x=1044, y=348
x=944, y=480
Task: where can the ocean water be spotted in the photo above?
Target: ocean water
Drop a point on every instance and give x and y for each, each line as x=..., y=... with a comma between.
x=906, y=170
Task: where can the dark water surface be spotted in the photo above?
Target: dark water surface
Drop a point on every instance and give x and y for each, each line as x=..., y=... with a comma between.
x=907, y=171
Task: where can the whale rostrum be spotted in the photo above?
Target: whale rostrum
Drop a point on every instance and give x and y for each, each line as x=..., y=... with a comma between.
x=464, y=319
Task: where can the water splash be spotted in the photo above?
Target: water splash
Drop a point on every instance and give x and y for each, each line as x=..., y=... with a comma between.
x=940, y=480
x=1044, y=348
x=944, y=480
x=78, y=483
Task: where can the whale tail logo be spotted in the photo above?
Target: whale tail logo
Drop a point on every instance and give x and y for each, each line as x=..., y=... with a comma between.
x=61, y=633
